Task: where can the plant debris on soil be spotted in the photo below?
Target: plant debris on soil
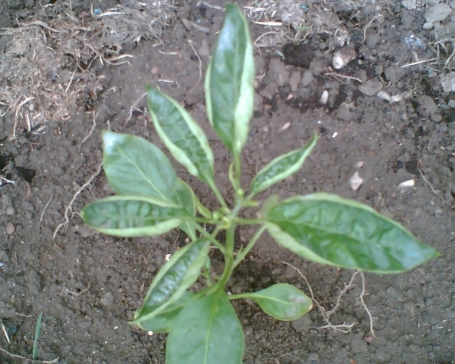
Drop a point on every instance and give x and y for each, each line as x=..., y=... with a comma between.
x=375, y=79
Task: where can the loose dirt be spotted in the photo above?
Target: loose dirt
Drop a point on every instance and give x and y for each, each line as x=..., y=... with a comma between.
x=88, y=285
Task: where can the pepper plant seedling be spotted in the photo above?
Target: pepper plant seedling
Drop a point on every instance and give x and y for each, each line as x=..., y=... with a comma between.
x=203, y=326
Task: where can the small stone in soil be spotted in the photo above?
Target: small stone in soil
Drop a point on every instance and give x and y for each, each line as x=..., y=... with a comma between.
x=10, y=228
x=371, y=87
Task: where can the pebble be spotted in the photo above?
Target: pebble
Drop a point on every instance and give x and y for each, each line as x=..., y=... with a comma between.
x=372, y=40
x=371, y=87
x=278, y=72
x=307, y=78
x=448, y=82
x=342, y=57
x=451, y=104
x=294, y=80
x=427, y=105
x=10, y=228
x=435, y=14
x=302, y=324
x=409, y=4
x=10, y=211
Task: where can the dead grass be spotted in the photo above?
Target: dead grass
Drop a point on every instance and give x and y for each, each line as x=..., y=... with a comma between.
x=52, y=64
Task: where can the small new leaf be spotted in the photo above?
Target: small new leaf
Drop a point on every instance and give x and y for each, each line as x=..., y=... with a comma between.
x=181, y=134
x=229, y=84
x=173, y=279
x=206, y=331
x=131, y=216
x=134, y=166
x=282, y=301
x=281, y=167
x=332, y=230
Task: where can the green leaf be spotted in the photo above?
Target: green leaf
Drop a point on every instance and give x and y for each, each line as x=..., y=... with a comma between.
x=130, y=216
x=173, y=279
x=181, y=134
x=206, y=331
x=134, y=166
x=282, y=301
x=164, y=321
x=281, y=167
x=184, y=197
x=332, y=230
x=229, y=84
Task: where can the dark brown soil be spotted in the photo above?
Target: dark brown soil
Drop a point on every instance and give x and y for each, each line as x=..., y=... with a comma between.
x=87, y=285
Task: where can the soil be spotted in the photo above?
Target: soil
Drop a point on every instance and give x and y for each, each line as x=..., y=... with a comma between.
x=88, y=285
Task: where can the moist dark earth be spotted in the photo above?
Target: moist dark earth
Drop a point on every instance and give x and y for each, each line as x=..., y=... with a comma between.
x=88, y=285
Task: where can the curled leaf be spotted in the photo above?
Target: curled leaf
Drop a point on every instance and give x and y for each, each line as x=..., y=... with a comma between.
x=281, y=167
x=173, y=279
x=181, y=134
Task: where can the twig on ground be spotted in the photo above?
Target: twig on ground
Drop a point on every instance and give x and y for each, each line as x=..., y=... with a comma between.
x=69, y=213
x=200, y=66
x=45, y=207
x=16, y=114
x=91, y=129
x=28, y=359
x=130, y=114
x=6, y=334
x=78, y=293
x=434, y=191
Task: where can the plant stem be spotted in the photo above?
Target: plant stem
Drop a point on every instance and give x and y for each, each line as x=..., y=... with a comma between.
x=212, y=236
x=217, y=193
x=228, y=257
x=242, y=221
x=242, y=254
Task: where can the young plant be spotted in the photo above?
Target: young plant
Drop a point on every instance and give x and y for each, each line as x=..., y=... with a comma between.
x=203, y=326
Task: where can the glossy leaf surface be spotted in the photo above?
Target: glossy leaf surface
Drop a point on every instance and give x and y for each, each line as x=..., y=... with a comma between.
x=282, y=301
x=281, y=167
x=181, y=134
x=163, y=321
x=130, y=216
x=331, y=230
x=184, y=197
x=206, y=331
x=173, y=279
x=229, y=84
x=134, y=166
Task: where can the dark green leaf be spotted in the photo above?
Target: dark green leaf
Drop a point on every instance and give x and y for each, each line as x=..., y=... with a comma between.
x=282, y=301
x=181, y=134
x=130, y=216
x=281, y=167
x=184, y=197
x=134, y=166
x=163, y=321
x=229, y=84
x=206, y=331
x=331, y=230
x=173, y=279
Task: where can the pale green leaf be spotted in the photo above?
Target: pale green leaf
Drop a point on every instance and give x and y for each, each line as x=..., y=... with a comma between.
x=181, y=134
x=331, y=230
x=173, y=279
x=229, y=84
x=281, y=167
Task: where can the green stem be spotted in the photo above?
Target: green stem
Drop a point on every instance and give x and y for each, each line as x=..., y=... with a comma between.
x=211, y=236
x=242, y=254
x=228, y=256
x=218, y=195
x=242, y=221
